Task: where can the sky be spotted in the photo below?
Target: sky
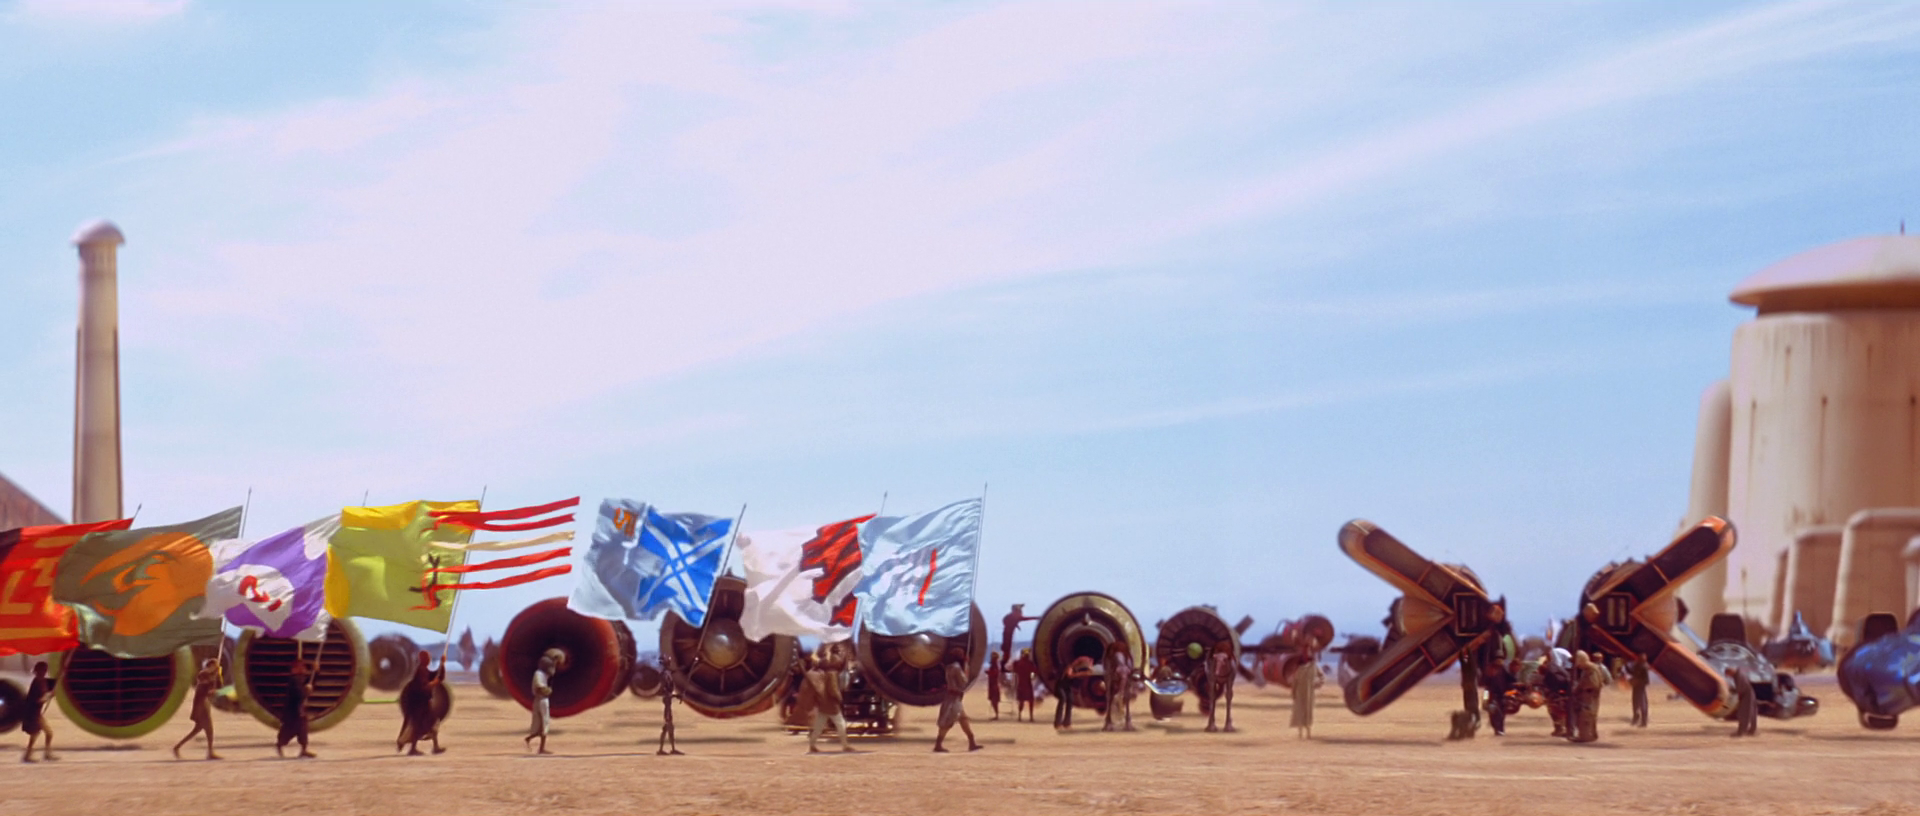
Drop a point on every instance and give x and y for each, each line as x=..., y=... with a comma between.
x=1180, y=287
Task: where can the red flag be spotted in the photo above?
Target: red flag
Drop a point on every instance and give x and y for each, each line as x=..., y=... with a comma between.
x=835, y=551
x=433, y=598
x=492, y=519
x=30, y=621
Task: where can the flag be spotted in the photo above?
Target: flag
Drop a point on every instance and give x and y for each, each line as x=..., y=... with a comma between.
x=917, y=571
x=434, y=574
x=136, y=591
x=800, y=582
x=500, y=521
x=31, y=622
x=642, y=562
x=502, y=546
x=377, y=563
x=276, y=585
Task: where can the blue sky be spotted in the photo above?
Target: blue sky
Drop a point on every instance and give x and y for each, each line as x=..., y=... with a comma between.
x=1187, y=285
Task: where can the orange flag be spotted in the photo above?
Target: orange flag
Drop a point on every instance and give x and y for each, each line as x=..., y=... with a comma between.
x=30, y=621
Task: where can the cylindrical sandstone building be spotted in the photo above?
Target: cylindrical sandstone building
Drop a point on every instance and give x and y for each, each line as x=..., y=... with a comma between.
x=96, y=392
x=1824, y=425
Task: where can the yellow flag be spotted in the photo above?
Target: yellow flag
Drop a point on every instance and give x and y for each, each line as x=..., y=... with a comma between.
x=377, y=563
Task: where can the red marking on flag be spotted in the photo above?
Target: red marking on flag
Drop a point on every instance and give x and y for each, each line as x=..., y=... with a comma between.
x=250, y=588
x=933, y=563
x=835, y=551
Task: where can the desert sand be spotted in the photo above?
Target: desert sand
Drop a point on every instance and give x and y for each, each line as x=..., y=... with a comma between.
x=1395, y=762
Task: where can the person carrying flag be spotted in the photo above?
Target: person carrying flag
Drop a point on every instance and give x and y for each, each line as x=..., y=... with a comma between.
x=204, y=686
x=33, y=719
x=952, y=710
x=293, y=714
x=418, y=720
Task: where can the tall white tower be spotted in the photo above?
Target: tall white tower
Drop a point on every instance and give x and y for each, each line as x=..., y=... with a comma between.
x=96, y=387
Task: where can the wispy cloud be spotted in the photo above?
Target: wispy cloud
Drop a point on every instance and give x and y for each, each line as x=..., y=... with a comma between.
x=96, y=11
x=1745, y=42
x=1457, y=306
x=619, y=195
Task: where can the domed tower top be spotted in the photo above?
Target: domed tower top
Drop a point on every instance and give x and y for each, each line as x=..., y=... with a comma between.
x=99, y=232
x=1872, y=272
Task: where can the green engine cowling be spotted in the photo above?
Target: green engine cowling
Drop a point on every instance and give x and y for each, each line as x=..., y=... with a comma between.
x=262, y=665
x=117, y=697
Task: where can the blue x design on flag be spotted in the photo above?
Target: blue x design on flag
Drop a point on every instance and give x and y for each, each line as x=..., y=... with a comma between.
x=642, y=562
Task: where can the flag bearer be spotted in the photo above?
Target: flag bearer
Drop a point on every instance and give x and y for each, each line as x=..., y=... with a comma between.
x=953, y=710
x=33, y=718
x=205, y=684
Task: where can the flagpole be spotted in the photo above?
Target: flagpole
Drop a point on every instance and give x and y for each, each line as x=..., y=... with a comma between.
x=883, y=503
x=727, y=555
x=973, y=581
x=448, y=640
x=706, y=617
x=244, y=509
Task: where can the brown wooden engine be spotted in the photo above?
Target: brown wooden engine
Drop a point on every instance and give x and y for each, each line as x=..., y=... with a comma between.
x=598, y=656
x=1195, y=626
x=910, y=669
x=732, y=676
x=391, y=659
x=1081, y=625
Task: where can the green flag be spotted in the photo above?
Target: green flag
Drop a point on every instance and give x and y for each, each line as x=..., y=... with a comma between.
x=136, y=591
x=377, y=563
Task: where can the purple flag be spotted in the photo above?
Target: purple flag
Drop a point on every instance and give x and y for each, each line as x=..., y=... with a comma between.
x=276, y=585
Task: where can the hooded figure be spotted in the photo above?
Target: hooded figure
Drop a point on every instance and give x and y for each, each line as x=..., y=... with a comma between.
x=1304, y=679
x=419, y=716
x=1588, y=679
x=293, y=713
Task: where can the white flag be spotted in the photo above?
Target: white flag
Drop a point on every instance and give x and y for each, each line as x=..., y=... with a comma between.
x=800, y=582
x=917, y=571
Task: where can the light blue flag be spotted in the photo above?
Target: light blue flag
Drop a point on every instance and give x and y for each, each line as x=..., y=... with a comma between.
x=917, y=571
x=643, y=562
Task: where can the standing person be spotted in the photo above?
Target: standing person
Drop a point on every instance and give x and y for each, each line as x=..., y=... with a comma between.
x=551, y=664
x=1746, y=708
x=953, y=710
x=1120, y=677
x=293, y=714
x=1025, y=674
x=1078, y=668
x=995, y=671
x=1220, y=675
x=669, y=689
x=1589, y=678
x=418, y=720
x=1498, y=679
x=33, y=714
x=1558, y=687
x=1637, y=681
x=1011, y=622
x=822, y=700
x=1304, y=679
x=204, y=685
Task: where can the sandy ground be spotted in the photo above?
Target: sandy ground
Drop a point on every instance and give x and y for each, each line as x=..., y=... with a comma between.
x=1395, y=762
